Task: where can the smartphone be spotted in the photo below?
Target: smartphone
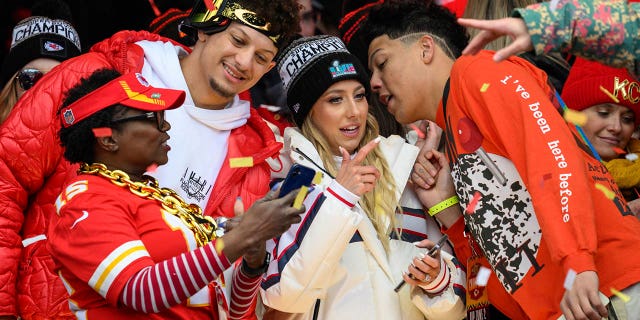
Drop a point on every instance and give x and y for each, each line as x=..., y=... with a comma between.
x=297, y=177
x=432, y=253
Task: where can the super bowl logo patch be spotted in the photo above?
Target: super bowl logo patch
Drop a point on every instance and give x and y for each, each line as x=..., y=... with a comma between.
x=339, y=70
x=68, y=116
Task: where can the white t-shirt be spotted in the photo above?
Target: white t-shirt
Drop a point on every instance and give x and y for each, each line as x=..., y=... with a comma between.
x=199, y=137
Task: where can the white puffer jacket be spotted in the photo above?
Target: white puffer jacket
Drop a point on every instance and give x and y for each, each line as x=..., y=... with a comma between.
x=333, y=265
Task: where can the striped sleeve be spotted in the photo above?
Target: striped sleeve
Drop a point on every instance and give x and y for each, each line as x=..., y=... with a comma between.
x=167, y=283
x=441, y=282
x=244, y=290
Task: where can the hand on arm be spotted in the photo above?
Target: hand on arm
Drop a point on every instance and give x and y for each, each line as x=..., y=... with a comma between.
x=441, y=189
x=424, y=171
x=515, y=28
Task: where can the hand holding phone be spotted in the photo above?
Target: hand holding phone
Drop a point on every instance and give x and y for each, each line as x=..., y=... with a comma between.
x=432, y=253
x=297, y=177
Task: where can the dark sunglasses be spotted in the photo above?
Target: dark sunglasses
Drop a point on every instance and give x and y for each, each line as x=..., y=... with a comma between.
x=28, y=77
x=158, y=116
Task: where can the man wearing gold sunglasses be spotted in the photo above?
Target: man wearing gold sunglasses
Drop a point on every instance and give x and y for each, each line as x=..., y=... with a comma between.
x=236, y=42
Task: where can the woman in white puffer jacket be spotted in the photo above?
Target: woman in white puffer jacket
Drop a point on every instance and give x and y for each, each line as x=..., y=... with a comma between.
x=362, y=228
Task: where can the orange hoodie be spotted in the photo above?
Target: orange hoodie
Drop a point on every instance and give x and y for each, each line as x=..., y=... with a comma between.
x=549, y=208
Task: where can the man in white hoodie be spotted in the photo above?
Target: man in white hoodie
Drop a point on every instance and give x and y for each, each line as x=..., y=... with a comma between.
x=220, y=147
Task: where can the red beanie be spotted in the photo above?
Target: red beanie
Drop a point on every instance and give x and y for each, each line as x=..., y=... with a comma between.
x=583, y=87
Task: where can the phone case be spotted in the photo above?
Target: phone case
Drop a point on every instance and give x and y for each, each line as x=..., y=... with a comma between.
x=297, y=177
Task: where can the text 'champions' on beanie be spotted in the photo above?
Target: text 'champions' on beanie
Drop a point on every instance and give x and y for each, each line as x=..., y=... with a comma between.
x=39, y=37
x=309, y=66
x=591, y=83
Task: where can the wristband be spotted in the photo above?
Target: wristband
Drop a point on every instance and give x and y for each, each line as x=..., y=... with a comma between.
x=446, y=203
x=254, y=272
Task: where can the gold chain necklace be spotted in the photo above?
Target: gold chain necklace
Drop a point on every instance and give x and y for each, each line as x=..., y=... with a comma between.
x=203, y=227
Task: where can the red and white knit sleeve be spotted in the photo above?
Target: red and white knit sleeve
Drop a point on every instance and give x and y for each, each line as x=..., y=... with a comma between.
x=168, y=283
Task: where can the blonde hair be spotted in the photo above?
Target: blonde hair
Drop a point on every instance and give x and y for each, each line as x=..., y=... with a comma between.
x=493, y=9
x=381, y=204
x=8, y=97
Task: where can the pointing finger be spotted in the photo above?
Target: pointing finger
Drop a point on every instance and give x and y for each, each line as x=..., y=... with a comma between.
x=364, y=151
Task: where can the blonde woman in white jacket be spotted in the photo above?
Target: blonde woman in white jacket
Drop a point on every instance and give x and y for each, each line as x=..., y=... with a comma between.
x=363, y=231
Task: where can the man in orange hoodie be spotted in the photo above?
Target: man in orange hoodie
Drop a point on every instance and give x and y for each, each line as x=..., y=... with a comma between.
x=539, y=206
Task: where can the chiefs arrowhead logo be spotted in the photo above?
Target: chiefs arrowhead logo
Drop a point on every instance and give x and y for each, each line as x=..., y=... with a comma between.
x=52, y=46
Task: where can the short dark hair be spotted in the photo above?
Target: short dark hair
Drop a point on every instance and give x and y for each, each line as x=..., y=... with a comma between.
x=78, y=140
x=397, y=18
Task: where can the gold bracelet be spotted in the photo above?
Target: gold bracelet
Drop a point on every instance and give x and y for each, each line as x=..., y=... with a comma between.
x=446, y=203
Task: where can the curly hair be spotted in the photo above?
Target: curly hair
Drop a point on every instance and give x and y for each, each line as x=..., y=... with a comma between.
x=78, y=140
x=397, y=18
x=282, y=14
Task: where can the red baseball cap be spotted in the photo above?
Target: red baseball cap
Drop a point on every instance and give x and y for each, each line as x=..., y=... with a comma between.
x=131, y=90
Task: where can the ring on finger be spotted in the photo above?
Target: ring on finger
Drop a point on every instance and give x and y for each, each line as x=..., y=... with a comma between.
x=427, y=278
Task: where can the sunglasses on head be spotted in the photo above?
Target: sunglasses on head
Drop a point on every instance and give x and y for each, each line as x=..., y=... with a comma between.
x=27, y=78
x=158, y=116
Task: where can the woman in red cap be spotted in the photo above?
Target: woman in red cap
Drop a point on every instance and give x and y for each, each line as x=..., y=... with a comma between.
x=126, y=248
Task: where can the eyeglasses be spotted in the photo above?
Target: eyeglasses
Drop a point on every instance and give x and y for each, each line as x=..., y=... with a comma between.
x=158, y=116
x=28, y=77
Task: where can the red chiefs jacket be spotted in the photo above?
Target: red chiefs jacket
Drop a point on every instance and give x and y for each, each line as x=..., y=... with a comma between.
x=33, y=171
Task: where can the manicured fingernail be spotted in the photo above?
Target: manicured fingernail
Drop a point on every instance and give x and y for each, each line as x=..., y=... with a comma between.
x=341, y=149
x=421, y=256
x=377, y=140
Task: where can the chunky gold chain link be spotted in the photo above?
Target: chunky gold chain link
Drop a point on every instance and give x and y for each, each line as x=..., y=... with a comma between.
x=203, y=227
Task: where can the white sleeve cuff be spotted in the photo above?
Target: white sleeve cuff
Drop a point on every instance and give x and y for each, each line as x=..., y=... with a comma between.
x=441, y=282
x=342, y=194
